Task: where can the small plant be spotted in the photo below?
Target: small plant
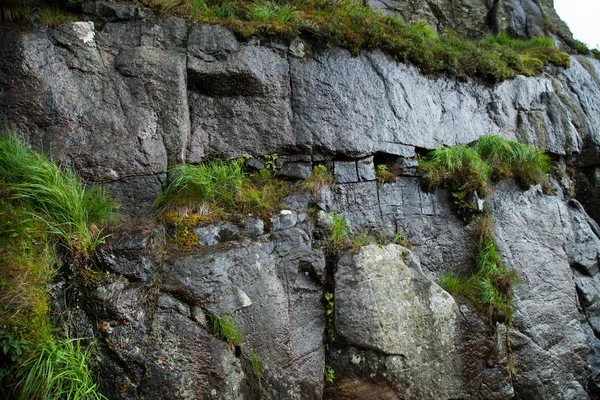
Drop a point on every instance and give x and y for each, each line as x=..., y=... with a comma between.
x=267, y=11
x=329, y=317
x=319, y=178
x=340, y=232
x=329, y=373
x=225, y=328
x=57, y=370
x=489, y=286
x=256, y=367
x=383, y=174
x=400, y=238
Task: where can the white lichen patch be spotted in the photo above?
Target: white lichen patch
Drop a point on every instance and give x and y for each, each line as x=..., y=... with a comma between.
x=85, y=31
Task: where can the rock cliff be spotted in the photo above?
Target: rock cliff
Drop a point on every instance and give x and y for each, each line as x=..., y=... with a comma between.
x=125, y=100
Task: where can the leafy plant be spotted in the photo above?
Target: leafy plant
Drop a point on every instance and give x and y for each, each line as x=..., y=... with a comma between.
x=319, y=178
x=383, y=174
x=329, y=316
x=329, y=373
x=58, y=369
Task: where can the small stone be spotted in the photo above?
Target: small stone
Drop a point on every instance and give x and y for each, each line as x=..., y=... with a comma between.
x=296, y=170
x=254, y=227
x=285, y=220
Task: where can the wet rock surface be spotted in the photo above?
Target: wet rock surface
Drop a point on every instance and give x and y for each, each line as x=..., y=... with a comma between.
x=125, y=100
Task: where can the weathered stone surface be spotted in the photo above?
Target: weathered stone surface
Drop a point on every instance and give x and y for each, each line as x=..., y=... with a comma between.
x=476, y=18
x=400, y=336
x=274, y=290
x=296, y=170
x=345, y=171
x=550, y=362
x=427, y=220
x=366, y=169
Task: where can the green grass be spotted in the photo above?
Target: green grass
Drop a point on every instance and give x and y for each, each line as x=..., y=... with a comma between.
x=465, y=170
x=459, y=167
x=74, y=213
x=489, y=286
x=383, y=174
x=58, y=370
x=340, y=232
x=41, y=205
x=204, y=193
x=224, y=328
x=350, y=24
x=319, y=178
x=218, y=182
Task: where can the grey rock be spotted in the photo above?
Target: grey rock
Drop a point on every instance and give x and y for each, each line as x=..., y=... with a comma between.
x=107, y=11
x=366, y=169
x=393, y=323
x=265, y=285
x=551, y=362
x=131, y=253
x=297, y=202
x=286, y=219
x=345, y=171
x=212, y=234
x=296, y=170
x=254, y=227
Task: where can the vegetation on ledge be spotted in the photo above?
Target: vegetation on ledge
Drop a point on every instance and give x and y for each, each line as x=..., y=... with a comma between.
x=351, y=24
x=42, y=206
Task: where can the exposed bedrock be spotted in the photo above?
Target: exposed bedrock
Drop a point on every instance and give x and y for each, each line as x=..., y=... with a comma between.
x=125, y=101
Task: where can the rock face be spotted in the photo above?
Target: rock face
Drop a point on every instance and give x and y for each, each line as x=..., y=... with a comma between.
x=123, y=101
x=476, y=18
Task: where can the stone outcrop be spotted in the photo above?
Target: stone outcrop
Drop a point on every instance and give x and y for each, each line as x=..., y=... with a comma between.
x=123, y=101
x=476, y=18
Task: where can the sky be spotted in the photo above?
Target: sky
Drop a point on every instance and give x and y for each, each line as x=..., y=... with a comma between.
x=583, y=17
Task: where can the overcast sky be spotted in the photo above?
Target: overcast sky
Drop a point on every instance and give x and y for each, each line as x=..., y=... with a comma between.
x=583, y=17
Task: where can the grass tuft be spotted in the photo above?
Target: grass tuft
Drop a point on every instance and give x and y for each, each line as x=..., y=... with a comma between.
x=319, y=178
x=489, y=287
x=383, y=174
x=224, y=328
x=58, y=370
x=72, y=212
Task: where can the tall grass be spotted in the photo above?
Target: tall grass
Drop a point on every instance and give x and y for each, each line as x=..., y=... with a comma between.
x=73, y=212
x=463, y=168
x=58, y=370
x=213, y=182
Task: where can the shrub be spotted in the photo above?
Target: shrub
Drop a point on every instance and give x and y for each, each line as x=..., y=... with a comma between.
x=319, y=178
